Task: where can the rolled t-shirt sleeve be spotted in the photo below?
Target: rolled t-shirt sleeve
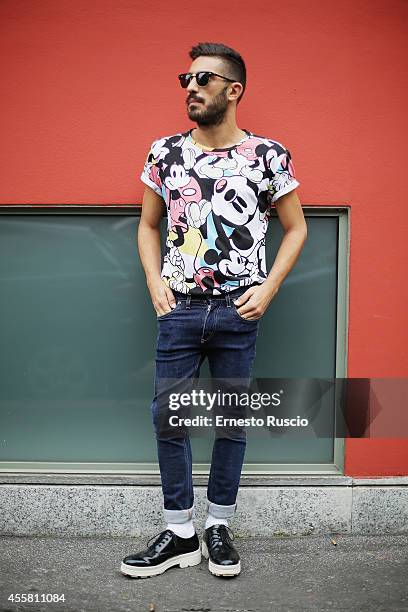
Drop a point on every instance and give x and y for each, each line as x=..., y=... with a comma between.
x=150, y=174
x=281, y=173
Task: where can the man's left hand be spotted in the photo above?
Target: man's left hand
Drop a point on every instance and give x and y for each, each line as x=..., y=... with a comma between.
x=254, y=302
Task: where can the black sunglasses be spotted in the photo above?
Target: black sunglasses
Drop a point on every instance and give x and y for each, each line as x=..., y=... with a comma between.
x=202, y=78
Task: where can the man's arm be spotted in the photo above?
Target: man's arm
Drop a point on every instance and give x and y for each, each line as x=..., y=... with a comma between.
x=148, y=242
x=291, y=216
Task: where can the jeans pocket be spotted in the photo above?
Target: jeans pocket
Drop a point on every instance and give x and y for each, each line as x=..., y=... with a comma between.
x=172, y=311
x=243, y=318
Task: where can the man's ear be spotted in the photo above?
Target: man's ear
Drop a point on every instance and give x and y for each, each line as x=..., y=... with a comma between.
x=236, y=90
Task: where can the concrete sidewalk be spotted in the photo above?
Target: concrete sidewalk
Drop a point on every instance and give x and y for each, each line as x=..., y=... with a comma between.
x=365, y=573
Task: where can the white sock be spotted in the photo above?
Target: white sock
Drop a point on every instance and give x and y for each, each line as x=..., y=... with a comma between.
x=212, y=520
x=183, y=530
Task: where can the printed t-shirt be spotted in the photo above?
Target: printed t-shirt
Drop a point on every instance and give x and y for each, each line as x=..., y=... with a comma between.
x=218, y=205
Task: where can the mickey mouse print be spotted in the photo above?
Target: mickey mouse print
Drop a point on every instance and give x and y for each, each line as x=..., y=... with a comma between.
x=218, y=207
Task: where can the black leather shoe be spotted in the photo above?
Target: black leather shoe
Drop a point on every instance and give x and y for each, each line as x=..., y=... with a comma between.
x=217, y=547
x=167, y=550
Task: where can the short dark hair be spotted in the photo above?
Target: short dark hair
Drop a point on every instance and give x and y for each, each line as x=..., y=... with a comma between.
x=232, y=58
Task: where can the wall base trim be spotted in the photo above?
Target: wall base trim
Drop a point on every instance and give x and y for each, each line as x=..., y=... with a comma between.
x=302, y=506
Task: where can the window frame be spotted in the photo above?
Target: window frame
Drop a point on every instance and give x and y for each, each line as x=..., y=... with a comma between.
x=149, y=473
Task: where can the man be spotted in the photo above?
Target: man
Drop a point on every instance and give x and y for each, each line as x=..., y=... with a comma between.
x=218, y=183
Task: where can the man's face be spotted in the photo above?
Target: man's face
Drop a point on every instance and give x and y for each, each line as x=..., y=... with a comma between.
x=208, y=105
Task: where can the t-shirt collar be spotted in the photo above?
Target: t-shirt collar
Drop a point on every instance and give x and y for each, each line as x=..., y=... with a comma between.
x=204, y=148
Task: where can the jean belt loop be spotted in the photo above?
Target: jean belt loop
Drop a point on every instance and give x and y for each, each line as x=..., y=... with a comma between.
x=188, y=301
x=228, y=300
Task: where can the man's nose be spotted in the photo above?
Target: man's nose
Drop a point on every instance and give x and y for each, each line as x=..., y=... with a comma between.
x=192, y=86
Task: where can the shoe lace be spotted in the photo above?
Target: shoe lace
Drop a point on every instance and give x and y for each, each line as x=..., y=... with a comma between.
x=221, y=534
x=158, y=536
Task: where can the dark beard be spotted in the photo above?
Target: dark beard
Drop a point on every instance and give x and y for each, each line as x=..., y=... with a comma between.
x=213, y=114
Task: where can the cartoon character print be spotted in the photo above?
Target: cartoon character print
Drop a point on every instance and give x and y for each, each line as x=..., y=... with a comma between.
x=234, y=205
x=216, y=166
x=218, y=207
x=251, y=150
x=235, y=253
x=233, y=201
x=235, y=210
x=243, y=161
x=205, y=279
x=282, y=170
x=186, y=206
x=159, y=149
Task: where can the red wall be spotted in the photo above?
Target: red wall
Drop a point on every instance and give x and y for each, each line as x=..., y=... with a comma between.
x=88, y=85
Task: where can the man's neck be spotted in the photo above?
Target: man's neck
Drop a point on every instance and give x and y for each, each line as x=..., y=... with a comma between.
x=218, y=136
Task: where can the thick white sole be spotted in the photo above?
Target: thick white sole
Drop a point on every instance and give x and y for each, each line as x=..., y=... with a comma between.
x=184, y=560
x=220, y=570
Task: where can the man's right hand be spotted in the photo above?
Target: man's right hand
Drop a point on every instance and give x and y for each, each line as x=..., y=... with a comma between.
x=162, y=297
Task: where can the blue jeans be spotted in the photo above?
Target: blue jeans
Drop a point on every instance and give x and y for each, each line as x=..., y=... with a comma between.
x=195, y=329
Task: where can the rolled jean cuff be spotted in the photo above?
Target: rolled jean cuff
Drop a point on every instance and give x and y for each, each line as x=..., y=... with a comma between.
x=179, y=516
x=219, y=511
